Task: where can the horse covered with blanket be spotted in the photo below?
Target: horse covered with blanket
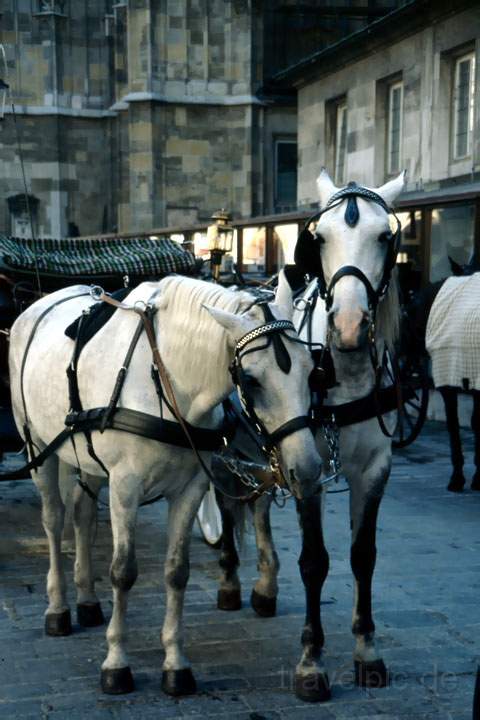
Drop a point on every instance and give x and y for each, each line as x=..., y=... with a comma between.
x=452, y=339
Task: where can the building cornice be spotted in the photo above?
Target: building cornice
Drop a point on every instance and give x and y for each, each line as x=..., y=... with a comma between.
x=58, y=110
x=137, y=97
x=186, y=99
x=406, y=20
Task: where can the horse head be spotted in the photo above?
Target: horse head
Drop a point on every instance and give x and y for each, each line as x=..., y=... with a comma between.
x=270, y=371
x=473, y=266
x=353, y=252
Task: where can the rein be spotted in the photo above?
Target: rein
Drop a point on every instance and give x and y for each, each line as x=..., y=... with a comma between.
x=271, y=328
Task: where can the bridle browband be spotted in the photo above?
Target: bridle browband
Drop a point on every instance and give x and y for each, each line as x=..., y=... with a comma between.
x=306, y=237
x=267, y=329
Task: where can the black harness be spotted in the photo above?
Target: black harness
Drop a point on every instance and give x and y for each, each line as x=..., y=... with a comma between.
x=152, y=427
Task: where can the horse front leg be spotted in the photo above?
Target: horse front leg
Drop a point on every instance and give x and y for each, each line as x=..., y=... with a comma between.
x=365, y=497
x=311, y=679
x=265, y=591
x=89, y=611
x=229, y=596
x=177, y=677
x=57, y=616
x=116, y=677
x=476, y=435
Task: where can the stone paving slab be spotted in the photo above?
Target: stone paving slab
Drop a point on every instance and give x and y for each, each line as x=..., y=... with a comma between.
x=426, y=592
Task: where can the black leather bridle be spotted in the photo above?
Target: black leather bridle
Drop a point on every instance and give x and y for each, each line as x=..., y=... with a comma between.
x=308, y=249
x=273, y=330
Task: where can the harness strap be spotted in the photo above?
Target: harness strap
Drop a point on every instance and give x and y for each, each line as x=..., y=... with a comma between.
x=346, y=271
x=144, y=425
x=291, y=426
x=121, y=377
x=375, y=403
x=74, y=393
x=39, y=459
x=170, y=396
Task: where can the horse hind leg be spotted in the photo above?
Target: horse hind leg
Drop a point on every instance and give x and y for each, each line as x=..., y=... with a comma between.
x=370, y=670
x=177, y=676
x=57, y=616
x=450, y=399
x=89, y=611
x=264, y=594
x=476, y=435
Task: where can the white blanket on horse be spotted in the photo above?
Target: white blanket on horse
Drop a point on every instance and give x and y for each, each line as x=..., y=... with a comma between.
x=453, y=333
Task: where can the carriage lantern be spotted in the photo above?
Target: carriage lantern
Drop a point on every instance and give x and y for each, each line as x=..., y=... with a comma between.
x=220, y=240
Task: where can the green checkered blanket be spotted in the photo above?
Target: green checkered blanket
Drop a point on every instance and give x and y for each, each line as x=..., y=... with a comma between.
x=96, y=256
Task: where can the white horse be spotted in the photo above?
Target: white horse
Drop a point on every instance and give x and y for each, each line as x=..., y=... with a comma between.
x=348, y=234
x=197, y=328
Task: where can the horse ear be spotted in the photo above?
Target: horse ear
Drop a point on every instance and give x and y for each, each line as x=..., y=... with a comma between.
x=283, y=296
x=457, y=269
x=325, y=187
x=235, y=325
x=392, y=189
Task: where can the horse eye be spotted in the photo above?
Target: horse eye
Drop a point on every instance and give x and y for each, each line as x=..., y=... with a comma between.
x=251, y=382
x=320, y=238
x=385, y=237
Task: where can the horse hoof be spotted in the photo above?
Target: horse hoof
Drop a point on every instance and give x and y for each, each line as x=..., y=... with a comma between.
x=454, y=486
x=229, y=599
x=117, y=681
x=372, y=674
x=457, y=482
x=58, y=624
x=312, y=688
x=178, y=682
x=476, y=481
x=90, y=615
x=263, y=605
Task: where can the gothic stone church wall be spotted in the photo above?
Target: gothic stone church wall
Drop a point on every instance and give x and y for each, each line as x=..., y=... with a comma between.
x=133, y=116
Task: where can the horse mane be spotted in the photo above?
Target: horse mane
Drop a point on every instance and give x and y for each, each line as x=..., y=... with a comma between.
x=195, y=343
x=388, y=313
x=197, y=293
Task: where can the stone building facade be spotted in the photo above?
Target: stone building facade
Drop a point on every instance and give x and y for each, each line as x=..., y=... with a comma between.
x=136, y=114
x=401, y=95
x=133, y=115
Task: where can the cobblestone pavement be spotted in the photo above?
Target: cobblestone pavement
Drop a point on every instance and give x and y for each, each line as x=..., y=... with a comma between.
x=426, y=601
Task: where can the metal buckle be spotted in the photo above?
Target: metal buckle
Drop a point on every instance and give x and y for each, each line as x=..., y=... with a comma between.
x=96, y=292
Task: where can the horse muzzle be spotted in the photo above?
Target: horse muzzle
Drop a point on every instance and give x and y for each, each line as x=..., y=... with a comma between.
x=301, y=464
x=349, y=329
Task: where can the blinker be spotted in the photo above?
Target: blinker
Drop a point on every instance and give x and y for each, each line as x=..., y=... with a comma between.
x=322, y=378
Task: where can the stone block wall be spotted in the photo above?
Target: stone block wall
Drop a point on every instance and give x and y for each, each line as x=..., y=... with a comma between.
x=423, y=61
x=136, y=114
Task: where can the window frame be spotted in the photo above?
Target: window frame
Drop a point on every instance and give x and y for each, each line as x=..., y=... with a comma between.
x=391, y=89
x=470, y=56
x=341, y=107
x=277, y=142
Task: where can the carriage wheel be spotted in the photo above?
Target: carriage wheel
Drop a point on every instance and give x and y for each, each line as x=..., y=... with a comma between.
x=210, y=519
x=415, y=385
